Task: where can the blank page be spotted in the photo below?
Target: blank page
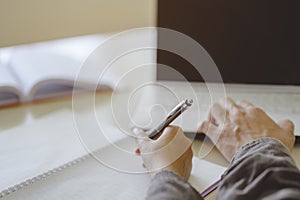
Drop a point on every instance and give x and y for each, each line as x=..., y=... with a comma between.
x=54, y=62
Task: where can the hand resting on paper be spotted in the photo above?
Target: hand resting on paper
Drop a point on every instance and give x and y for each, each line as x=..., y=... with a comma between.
x=231, y=125
x=171, y=151
x=264, y=161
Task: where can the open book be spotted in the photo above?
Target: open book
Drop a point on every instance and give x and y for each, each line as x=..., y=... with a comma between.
x=48, y=69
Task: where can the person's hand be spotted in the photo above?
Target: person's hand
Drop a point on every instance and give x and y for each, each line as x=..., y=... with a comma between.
x=231, y=125
x=171, y=151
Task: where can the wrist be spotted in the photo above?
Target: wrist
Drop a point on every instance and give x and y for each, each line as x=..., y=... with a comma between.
x=261, y=146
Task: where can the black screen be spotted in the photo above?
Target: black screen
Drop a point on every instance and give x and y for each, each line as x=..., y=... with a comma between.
x=251, y=41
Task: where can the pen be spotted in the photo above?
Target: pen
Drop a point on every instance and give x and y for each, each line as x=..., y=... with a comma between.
x=211, y=188
x=175, y=112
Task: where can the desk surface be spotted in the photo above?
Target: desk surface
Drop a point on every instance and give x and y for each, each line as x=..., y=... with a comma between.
x=83, y=113
x=13, y=117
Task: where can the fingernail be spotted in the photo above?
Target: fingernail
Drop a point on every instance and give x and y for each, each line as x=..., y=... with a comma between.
x=136, y=130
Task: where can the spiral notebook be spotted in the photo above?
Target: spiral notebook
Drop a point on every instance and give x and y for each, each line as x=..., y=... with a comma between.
x=84, y=178
x=111, y=172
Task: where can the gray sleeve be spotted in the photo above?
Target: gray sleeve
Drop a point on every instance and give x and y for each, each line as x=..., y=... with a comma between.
x=262, y=169
x=168, y=185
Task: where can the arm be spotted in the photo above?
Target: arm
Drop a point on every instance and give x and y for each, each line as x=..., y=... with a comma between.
x=168, y=185
x=261, y=169
x=169, y=161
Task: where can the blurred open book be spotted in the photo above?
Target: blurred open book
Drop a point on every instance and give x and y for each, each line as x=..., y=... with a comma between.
x=50, y=69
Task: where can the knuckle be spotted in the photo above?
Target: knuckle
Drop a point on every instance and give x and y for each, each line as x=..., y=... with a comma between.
x=191, y=151
x=289, y=122
x=243, y=101
x=291, y=126
x=236, y=114
x=178, y=130
x=174, y=128
x=236, y=111
x=203, y=127
x=229, y=99
x=255, y=110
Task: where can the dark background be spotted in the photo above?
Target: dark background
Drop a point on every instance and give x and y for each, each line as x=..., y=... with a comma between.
x=251, y=41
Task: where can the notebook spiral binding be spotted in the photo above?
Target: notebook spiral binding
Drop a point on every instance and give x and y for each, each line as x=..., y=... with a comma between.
x=42, y=176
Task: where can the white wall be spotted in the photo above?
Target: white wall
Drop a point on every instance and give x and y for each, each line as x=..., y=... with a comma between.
x=26, y=21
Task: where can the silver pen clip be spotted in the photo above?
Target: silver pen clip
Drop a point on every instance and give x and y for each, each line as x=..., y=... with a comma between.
x=175, y=112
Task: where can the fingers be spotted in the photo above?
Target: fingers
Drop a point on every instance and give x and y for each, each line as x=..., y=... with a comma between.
x=172, y=150
x=210, y=130
x=203, y=127
x=287, y=125
x=141, y=137
x=219, y=111
x=169, y=133
x=244, y=104
x=172, y=135
x=228, y=104
x=217, y=114
x=188, y=164
x=137, y=151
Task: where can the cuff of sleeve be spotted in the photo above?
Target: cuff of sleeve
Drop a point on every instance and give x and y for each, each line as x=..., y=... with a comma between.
x=267, y=145
x=257, y=144
x=168, y=185
x=167, y=175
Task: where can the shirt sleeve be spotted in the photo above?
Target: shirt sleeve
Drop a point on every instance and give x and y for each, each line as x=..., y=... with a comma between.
x=167, y=185
x=262, y=169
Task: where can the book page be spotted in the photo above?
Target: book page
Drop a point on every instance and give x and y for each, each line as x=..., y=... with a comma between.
x=50, y=68
x=35, y=67
x=9, y=92
x=204, y=174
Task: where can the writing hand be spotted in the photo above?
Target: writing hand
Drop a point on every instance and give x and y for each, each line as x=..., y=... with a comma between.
x=171, y=151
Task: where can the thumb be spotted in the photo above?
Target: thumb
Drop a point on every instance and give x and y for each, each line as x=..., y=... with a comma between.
x=202, y=127
x=210, y=130
x=206, y=128
x=287, y=125
x=140, y=136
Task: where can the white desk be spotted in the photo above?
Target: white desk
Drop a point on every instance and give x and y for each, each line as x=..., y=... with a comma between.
x=14, y=117
x=17, y=116
x=32, y=115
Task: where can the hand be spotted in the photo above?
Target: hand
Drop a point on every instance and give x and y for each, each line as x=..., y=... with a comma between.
x=171, y=151
x=231, y=125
